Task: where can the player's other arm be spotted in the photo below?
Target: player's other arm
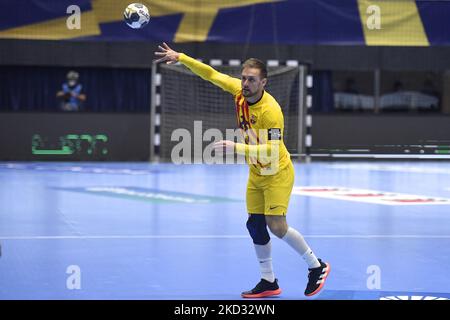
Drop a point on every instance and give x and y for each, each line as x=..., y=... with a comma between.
x=206, y=72
x=270, y=137
x=264, y=151
x=268, y=148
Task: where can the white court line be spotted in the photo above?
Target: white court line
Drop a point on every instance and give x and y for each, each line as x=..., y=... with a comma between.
x=324, y=236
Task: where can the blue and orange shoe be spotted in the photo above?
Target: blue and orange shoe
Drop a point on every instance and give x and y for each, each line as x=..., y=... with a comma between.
x=316, y=278
x=263, y=289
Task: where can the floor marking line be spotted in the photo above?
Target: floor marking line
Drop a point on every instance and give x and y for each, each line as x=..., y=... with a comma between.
x=325, y=236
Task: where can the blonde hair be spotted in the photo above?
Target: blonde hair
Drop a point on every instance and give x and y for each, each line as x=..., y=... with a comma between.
x=257, y=64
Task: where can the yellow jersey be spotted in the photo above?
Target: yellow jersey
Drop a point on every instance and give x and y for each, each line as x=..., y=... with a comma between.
x=261, y=123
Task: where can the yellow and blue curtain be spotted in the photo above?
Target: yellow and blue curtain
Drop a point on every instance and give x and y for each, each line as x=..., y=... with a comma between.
x=337, y=22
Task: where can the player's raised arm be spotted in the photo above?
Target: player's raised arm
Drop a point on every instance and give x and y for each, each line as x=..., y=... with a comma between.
x=206, y=72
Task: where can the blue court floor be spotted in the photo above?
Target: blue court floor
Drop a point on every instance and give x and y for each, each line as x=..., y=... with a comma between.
x=162, y=231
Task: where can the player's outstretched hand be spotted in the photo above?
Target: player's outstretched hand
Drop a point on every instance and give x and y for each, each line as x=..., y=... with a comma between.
x=166, y=54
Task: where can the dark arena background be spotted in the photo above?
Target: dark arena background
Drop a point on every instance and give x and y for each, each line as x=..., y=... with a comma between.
x=95, y=203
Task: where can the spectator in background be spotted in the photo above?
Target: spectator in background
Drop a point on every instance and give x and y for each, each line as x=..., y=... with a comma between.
x=397, y=99
x=349, y=98
x=70, y=95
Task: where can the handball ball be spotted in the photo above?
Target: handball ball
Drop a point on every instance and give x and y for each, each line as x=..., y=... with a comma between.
x=136, y=15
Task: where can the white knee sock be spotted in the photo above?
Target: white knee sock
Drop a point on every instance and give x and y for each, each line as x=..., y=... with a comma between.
x=264, y=255
x=298, y=243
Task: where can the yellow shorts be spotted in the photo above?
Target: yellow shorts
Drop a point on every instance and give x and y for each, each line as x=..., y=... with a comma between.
x=270, y=194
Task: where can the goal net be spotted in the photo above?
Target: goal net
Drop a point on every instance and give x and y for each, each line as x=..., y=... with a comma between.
x=185, y=98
